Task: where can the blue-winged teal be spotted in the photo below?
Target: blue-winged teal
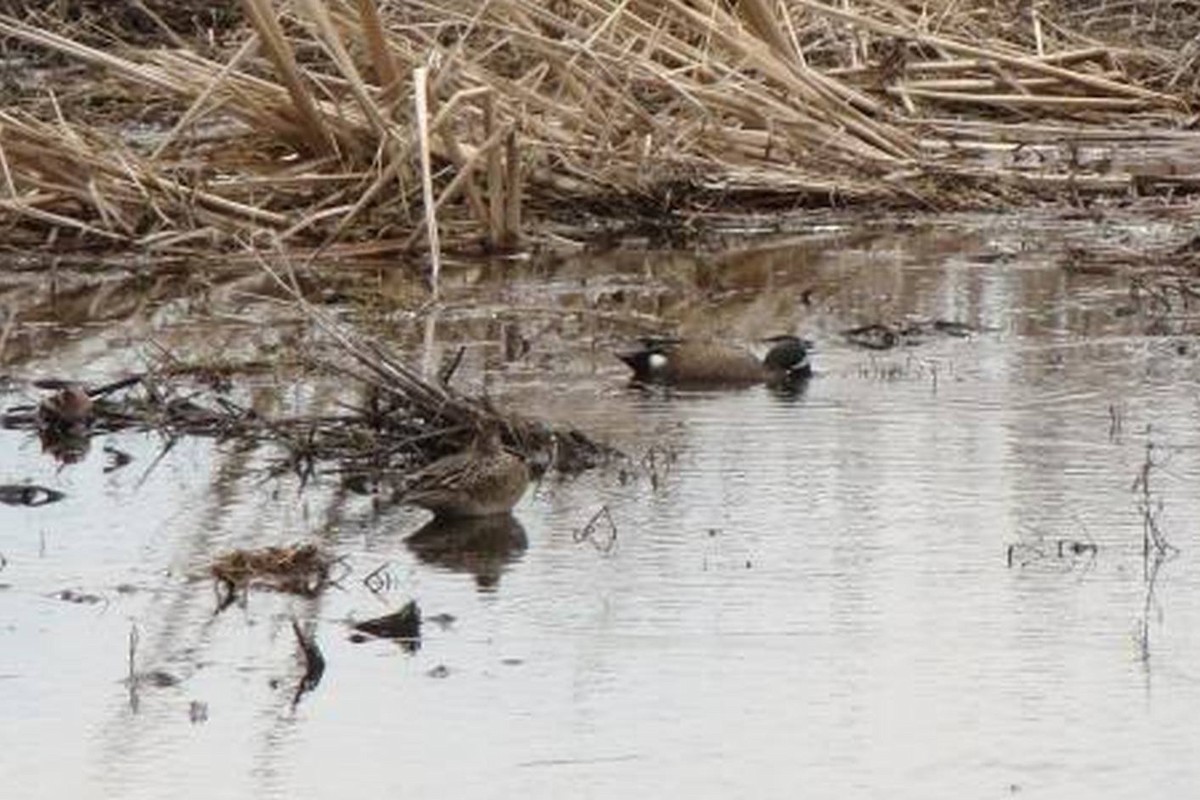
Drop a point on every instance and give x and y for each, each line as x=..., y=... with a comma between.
x=701, y=364
x=482, y=480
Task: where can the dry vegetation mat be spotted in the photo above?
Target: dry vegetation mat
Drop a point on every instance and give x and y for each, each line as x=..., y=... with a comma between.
x=402, y=423
x=358, y=126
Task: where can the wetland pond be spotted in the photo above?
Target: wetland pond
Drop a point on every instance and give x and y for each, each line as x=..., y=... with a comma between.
x=924, y=576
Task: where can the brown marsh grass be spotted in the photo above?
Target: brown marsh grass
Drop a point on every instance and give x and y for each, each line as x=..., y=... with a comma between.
x=358, y=127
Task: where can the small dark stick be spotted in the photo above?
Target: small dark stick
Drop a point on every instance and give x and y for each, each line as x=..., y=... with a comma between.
x=448, y=371
x=314, y=662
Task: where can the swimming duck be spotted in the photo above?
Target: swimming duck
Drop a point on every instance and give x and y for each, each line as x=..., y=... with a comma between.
x=483, y=480
x=698, y=364
x=69, y=409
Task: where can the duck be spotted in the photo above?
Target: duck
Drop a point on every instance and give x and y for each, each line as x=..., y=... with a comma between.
x=68, y=410
x=708, y=364
x=481, y=481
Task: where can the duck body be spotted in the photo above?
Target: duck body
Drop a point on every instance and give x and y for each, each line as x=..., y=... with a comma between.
x=481, y=481
x=707, y=364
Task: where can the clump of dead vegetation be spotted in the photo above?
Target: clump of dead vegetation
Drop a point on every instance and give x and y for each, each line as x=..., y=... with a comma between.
x=401, y=421
x=296, y=569
x=360, y=127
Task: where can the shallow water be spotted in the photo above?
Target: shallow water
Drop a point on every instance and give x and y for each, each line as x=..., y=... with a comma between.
x=922, y=577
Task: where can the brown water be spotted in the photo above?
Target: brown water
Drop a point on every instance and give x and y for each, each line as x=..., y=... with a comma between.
x=814, y=597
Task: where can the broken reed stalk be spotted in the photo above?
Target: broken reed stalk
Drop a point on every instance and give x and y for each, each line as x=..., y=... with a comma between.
x=59, y=220
x=202, y=100
x=262, y=16
x=1059, y=103
x=9, y=186
x=465, y=178
x=383, y=370
x=386, y=72
x=133, y=645
x=511, y=230
x=10, y=325
x=461, y=179
x=1153, y=538
x=420, y=87
x=435, y=410
x=495, y=174
x=331, y=39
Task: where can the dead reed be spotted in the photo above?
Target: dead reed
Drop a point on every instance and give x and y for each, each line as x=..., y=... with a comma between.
x=352, y=126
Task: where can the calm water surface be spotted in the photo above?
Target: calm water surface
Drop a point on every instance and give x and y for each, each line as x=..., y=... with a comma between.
x=923, y=577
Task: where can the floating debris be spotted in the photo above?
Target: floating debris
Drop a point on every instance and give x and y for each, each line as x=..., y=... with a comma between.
x=442, y=620
x=379, y=579
x=28, y=494
x=404, y=423
x=1037, y=549
x=80, y=598
x=873, y=337
x=885, y=336
x=117, y=459
x=600, y=531
x=197, y=712
x=403, y=625
x=298, y=569
x=154, y=679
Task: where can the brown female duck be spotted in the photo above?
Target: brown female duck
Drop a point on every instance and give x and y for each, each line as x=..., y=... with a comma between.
x=483, y=480
x=67, y=410
x=707, y=364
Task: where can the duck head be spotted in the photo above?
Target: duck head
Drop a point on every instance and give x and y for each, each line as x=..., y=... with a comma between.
x=787, y=360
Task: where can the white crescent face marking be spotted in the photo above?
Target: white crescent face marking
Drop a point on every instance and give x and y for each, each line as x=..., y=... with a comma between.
x=656, y=361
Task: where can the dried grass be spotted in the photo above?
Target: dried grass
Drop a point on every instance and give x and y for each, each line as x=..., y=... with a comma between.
x=296, y=569
x=334, y=122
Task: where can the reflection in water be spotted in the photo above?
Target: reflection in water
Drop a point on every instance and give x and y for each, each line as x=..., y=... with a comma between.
x=787, y=391
x=65, y=446
x=314, y=661
x=481, y=546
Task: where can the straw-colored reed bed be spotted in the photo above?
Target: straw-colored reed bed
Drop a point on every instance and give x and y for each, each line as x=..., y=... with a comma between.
x=363, y=126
